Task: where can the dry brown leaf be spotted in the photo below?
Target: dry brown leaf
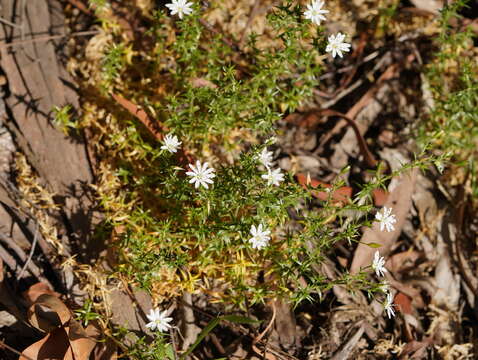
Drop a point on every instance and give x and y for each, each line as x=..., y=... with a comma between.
x=66, y=343
x=432, y=6
x=156, y=129
x=400, y=200
x=34, y=292
x=58, y=315
x=52, y=346
x=402, y=260
x=66, y=339
x=80, y=343
x=341, y=194
x=404, y=303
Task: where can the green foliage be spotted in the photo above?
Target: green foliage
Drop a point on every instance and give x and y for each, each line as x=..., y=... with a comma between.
x=158, y=349
x=97, y=4
x=210, y=327
x=182, y=236
x=113, y=62
x=451, y=129
x=62, y=119
x=173, y=237
x=87, y=314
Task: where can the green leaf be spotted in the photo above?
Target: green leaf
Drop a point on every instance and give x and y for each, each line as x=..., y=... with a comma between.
x=232, y=318
x=373, y=245
x=202, y=335
x=240, y=319
x=170, y=351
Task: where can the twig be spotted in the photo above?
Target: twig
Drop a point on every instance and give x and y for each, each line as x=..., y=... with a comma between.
x=389, y=73
x=2, y=344
x=173, y=343
x=346, y=348
x=7, y=258
x=34, y=269
x=268, y=327
x=242, y=330
x=366, y=59
x=369, y=158
x=6, y=22
x=7, y=240
x=224, y=39
x=32, y=250
x=253, y=14
x=459, y=222
x=342, y=94
x=47, y=38
x=217, y=343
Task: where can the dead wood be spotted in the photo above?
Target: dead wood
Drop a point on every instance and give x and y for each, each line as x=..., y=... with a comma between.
x=37, y=82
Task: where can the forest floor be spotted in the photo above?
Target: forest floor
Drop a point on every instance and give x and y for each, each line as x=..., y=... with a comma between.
x=49, y=207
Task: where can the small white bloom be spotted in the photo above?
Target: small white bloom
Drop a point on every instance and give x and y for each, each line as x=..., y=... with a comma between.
x=265, y=157
x=180, y=7
x=260, y=237
x=315, y=12
x=201, y=174
x=386, y=219
x=336, y=45
x=273, y=177
x=171, y=143
x=388, y=306
x=158, y=320
x=378, y=264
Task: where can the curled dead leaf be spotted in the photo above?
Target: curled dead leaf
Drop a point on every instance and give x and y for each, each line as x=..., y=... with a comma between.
x=66, y=339
x=48, y=312
x=34, y=291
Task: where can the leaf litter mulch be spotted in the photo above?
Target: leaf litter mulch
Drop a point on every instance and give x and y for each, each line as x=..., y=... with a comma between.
x=50, y=264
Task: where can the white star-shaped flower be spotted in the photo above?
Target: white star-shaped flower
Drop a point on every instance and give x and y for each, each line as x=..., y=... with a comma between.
x=265, y=157
x=171, y=143
x=388, y=306
x=158, y=320
x=260, y=238
x=386, y=219
x=180, y=7
x=201, y=174
x=378, y=264
x=336, y=45
x=315, y=12
x=273, y=177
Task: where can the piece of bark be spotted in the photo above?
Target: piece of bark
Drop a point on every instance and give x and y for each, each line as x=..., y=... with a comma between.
x=347, y=348
x=37, y=82
x=129, y=310
x=189, y=329
x=285, y=325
